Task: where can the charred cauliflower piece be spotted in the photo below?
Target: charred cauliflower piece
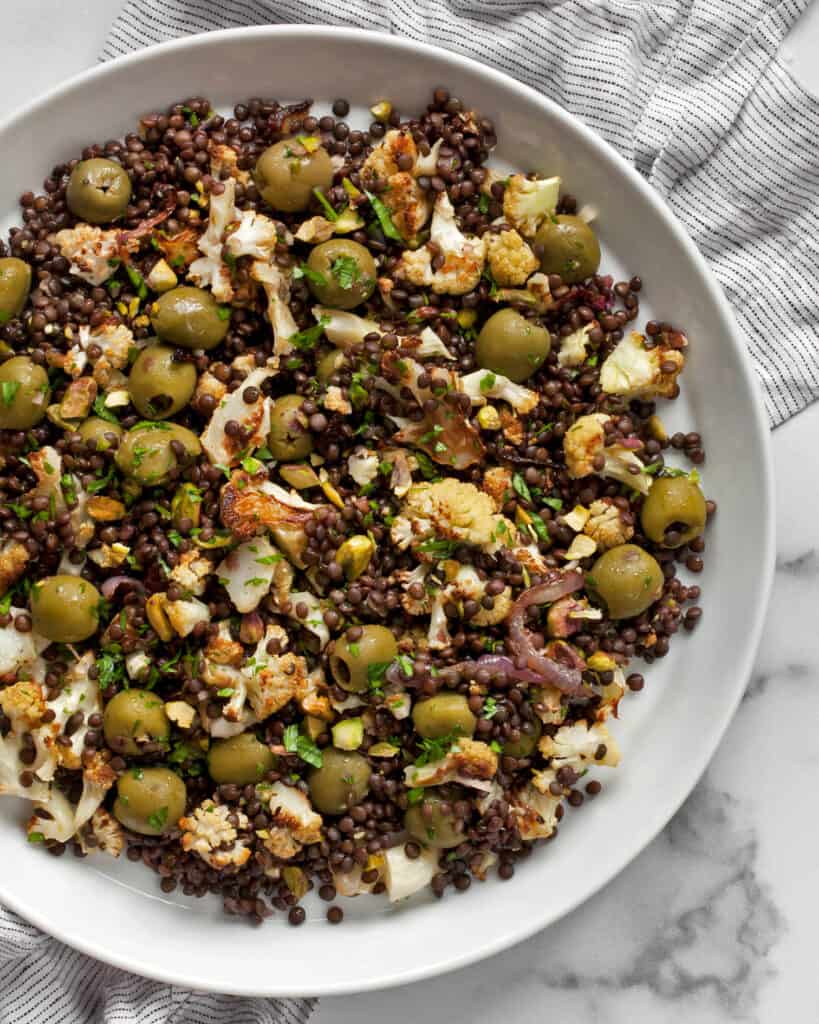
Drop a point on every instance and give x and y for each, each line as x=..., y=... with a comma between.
x=587, y=453
x=469, y=762
x=448, y=510
x=527, y=202
x=510, y=258
x=294, y=823
x=208, y=833
x=580, y=746
x=463, y=256
x=635, y=371
x=607, y=524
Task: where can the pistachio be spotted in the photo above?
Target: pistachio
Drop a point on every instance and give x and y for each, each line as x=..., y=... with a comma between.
x=601, y=662
x=158, y=616
x=186, y=504
x=657, y=428
x=488, y=418
x=329, y=491
x=296, y=881
x=180, y=712
x=105, y=510
x=354, y=555
x=314, y=727
x=383, y=750
x=381, y=111
x=299, y=475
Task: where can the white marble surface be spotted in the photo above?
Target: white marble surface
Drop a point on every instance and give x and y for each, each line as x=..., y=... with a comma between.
x=718, y=920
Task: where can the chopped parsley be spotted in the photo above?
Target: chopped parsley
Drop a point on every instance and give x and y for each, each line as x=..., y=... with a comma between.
x=9, y=390
x=346, y=271
x=307, y=339
x=295, y=743
x=376, y=673
x=158, y=818
x=438, y=547
x=540, y=528
x=521, y=487
x=137, y=280
x=436, y=749
x=101, y=410
x=490, y=707
x=311, y=275
x=488, y=381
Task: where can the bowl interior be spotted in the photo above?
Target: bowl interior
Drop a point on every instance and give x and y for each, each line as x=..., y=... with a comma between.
x=114, y=910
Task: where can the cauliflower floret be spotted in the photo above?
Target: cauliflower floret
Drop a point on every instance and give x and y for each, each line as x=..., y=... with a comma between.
x=252, y=504
x=466, y=585
x=607, y=524
x=94, y=254
x=426, y=345
x=567, y=615
x=469, y=762
x=584, y=447
x=484, y=384
x=580, y=746
x=634, y=371
x=224, y=163
x=276, y=283
x=103, y=834
x=24, y=705
x=185, y=616
x=294, y=823
x=222, y=649
x=407, y=203
x=180, y=713
x=315, y=230
x=209, y=385
x=247, y=573
x=210, y=271
x=335, y=401
x=404, y=876
x=528, y=202
x=497, y=482
x=313, y=621
x=13, y=559
x=79, y=693
x=537, y=294
x=109, y=556
x=253, y=417
x=255, y=235
x=97, y=778
x=344, y=329
x=66, y=819
x=438, y=637
x=536, y=812
x=191, y=572
x=450, y=509
x=463, y=256
x=382, y=162
x=511, y=261
x=115, y=342
x=573, y=347
x=362, y=465
x=274, y=681
x=208, y=833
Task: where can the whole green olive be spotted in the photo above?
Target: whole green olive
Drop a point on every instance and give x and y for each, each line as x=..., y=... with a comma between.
x=133, y=718
x=158, y=384
x=102, y=434
x=289, y=438
x=511, y=345
x=24, y=393
x=98, y=191
x=150, y=801
x=65, y=608
x=433, y=822
x=189, y=317
x=444, y=715
x=15, y=284
x=288, y=171
x=241, y=760
x=627, y=580
x=342, y=781
x=149, y=454
x=674, y=511
x=351, y=659
x=525, y=745
x=329, y=364
x=569, y=247
x=343, y=273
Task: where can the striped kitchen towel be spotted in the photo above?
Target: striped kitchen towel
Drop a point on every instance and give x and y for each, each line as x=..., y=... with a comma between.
x=694, y=93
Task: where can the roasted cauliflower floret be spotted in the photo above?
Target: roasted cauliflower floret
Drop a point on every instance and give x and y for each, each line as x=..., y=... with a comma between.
x=607, y=524
x=103, y=834
x=469, y=762
x=255, y=235
x=247, y=573
x=537, y=294
x=484, y=384
x=511, y=261
x=210, y=270
x=466, y=585
x=497, y=482
x=635, y=371
x=572, y=350
x=94, y=254
x=294, y=823
x=587, y=453
x=254, y=417
x=280, y=679
x=191, y=572
x=580, y=745
x=527, y=202
x=463, y=256
x=405, y=875
x=390, y=163
x=452, y=510
x=208, y=833
x=536, y=812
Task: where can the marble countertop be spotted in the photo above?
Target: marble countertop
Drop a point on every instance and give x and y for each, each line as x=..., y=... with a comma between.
x=716, y=921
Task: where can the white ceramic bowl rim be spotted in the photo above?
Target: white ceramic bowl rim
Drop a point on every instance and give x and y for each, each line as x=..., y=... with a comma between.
x=652, y=822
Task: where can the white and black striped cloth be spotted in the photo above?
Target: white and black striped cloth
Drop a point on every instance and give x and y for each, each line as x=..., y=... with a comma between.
x=693, y=92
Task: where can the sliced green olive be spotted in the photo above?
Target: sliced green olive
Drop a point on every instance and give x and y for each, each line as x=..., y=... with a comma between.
x=353, y=660
x=288, y=171
x=150, y=801
x=627, y=580
x=342, y=781
x=149, y=454
x=133, y=718
x=190, y=318
x=24, y=393
x=674, y=511
x=15, y=285
x=568, y=247
x=445, y=714
x=98, y=191
x=526, y=744
x=289, y=438
x=241, y=760
x=343, y=273
x=433, y=822
x=100, y=433
x=511, y=345
x=159, y=385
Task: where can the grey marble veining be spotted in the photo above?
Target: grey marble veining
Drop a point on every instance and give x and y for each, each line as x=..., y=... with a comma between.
x=718, y=919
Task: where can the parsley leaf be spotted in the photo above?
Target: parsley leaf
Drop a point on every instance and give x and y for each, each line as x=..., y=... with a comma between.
x=101, y=410
x=488, y=381
x=312, y=275
x=490, y=708
x=158, y=818
x=307, y=339
x=295, y=743
x=438, y=547
x=540, y=528
x=346, y=271
x=521, y=487
x=9, y=390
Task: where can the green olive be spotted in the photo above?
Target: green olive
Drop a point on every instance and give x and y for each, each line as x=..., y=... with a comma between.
x=24, y=393
x=443, y=715
x=289, y=438
x=343, y=273
x=569, y=248
x=511, y=345
x=524, y=746
x=149, y=454
x=65, y=608
x=102, y=434
x=241, y=759
x=350, y=660
x=674, y=512
x=342, y=781
x=433, y=821
x=189, y=317
x=98, y=191
x=329, y=364
x=286, y=174
x=132, y=718
x=150, y=801
x=627, y=580
x=15, y=284
x=158, y=384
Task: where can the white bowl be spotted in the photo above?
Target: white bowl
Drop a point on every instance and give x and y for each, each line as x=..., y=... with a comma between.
x=114, y=910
